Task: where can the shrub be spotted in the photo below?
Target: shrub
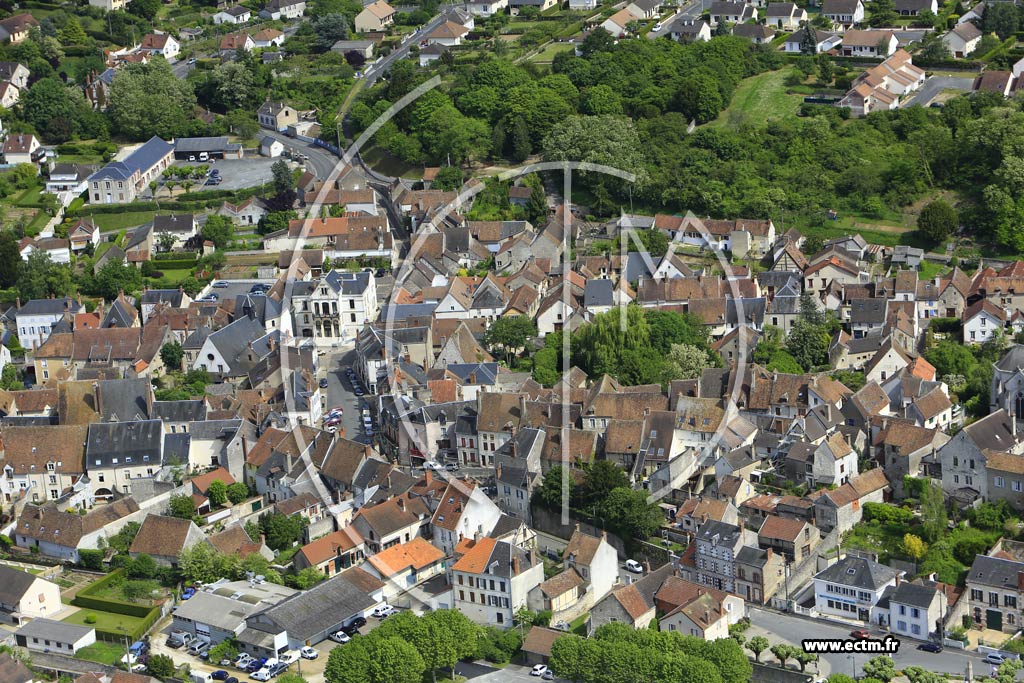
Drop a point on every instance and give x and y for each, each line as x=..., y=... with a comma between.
x=888, y=514
x=90, y=618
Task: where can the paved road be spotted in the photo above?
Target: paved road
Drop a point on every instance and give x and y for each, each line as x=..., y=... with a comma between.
x=378, y=69
x=339, y=393
x=237, y=174
x=793, y=629
x=321, y=162
x=936, y=84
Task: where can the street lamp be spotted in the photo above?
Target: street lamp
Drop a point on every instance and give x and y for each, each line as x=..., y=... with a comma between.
x=853, y=665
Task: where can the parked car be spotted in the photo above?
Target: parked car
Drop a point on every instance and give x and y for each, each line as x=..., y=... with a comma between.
x=340, y=637
x=179, y=639
x=358, y=622
x=231, y=679
x=384, y=611
x=634, y=566
x=241, y=661
x=930, y=647
x=220, y=675
x=138, y=648
x=188, y=593
x=452, y=467
x=278, y=669
x=213, y=180
x=309, y=653
x=859, y=634
x=548, y=675
x=995, y=658
x=539, y=670
x=221, y=284
x=198, y=648
x=261, y=675
x=323, y=383
x=289, y=657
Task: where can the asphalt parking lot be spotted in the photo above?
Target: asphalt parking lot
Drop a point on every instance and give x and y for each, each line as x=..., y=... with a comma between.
x=339, y=393
x=233, y=289
x=238, y=174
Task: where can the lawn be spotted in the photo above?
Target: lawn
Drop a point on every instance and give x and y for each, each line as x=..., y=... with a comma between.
x=547, y=55
x=30, y=197
x=102, y=652
x=111, y=222
x=174, y=275
x=380, y=160
x=107, y=621
x=758, y=99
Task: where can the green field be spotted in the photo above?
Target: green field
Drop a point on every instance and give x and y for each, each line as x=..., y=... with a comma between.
x=758, y=99
x=102, y=652
x=107, y=621
x=547, y=55
x=119, y=221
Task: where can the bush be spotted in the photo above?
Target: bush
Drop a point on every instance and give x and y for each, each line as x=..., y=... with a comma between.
x=90, y=618
x=887, y=514
x=91, y=559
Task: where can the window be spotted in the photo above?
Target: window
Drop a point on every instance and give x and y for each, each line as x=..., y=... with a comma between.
x=1016, y=485
x=999, y=482
x=501, y=618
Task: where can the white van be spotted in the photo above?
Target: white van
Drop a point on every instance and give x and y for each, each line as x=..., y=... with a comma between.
x=204, y=156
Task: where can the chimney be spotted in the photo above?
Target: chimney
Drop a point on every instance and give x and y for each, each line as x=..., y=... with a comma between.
x=532, y=554
x=707, y=617
x=476, y=536
x=498, y=472
x=647, y=566
x=515, y=566
x=401, y=503
x=17, y=302
x=604, y=535
x=428, y=477
x=577, y=526
x=263, y=539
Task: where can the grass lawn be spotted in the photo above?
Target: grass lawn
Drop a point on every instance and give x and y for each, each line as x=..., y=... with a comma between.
x=37, y=223
x=380, y=160
x=102, y=652
x=758, y=99
x=108, y=621
x=110, y=222
x=175, y=275
x=548, y=53
x=29, y=197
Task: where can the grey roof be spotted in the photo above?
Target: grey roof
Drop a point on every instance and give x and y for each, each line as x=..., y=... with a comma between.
x=236, y=11
x=54, y=630
x=214, y=144
x=868, y=310
x=141, y=160
x=173, y=297
x=752, y=556
x=837, y=7
x=114, y=444
x=176, y=446
x=140, y=235
x=914, y=594
x=598, y=293
x=47, y=306
x=784, y=305
x=351, y=45
x=866, y=344
x=124, y=399
x=326, y=605
x=994, y=571
x=197, y=338
x=263, y=308
x=216, y=610
x=119, y=315
x=780, y=9
x=214, y=429
x=727, y=534
x=234, y=339
x=13, y=584
x=994, y=432
x=639, y=264
x=348, y=283
x=506, y=524
x=1013, y=360
x=180, y=411
x=752, y=310
x=399, y=312
x=858, y=572
x=475, y=373
x=181, y=222
x=647, y=5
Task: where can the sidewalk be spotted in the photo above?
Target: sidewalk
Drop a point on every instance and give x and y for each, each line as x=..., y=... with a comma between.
x=821, y=668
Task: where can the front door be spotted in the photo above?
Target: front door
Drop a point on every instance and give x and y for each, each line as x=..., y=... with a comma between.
x=994, y=619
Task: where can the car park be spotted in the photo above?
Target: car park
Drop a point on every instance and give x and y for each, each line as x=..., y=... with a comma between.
x=634, y=566
x=309, y=652
x=340, y=637
x=539, y=670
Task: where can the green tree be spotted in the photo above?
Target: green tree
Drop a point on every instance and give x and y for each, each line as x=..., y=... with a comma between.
x=291, y=677
x=9, y=379
x=91, y=559
x=686, y=361
x=237, y=492
x=937, y=221
x=225, y=649
x=123, y=538
x=826, y=69
x=449, y=179
x=804, y=658
x=274, y=221
x=147, y=9
x=882, y=14
x=281, y=530
x=160, y=666
x=395, y=661
x=218, y=230
x=783, y=653
x=549, y=494
x=234, y=86
x=113, y=278
x=603, y=477
x=629, y=514
x=10, y=259
x=881, y=667
x=1003, y=22
x=142, y=566
x=307, y=578
x=601, y=99
x=933, y=512
x=809, y=41
x=329, y=29
x=40, y=277
x=757, y=645
x=181, y=506
x=932, y=47
x=217, y=492
x=147, y=99
x=730, y=660
x=611, y=140
x=447, y=637
x=699, y=97
x=349, y=664
x=808, y=345
x=72, y=33
x=172, y=354
x=202, y=562
x=509, y=335
x=914, y=546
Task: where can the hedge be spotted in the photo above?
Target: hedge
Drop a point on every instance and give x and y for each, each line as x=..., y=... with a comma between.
x=85, y=599
x=132, y=634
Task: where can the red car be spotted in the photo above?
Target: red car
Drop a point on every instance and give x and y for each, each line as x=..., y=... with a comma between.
x=859, y=634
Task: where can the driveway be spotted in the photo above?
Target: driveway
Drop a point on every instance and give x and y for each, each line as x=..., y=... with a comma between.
x=936, y=84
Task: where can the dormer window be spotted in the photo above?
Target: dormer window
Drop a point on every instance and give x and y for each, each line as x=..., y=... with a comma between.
x=50, y=467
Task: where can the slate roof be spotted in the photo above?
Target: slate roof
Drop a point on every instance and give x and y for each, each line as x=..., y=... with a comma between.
x=139, y=161
x=13, y=584
x=995, y=571
x=53, y=630
x=598, y=293
x=914, y=594
x=858, y=572
x=324, y=606
x=116, y=444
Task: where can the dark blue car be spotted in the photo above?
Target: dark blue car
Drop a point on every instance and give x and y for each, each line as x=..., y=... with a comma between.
x=188, y=593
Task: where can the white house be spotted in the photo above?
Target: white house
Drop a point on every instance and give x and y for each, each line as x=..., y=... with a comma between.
x=732, y=12
x=964, y=38
x=162, y=44
x=869, y=43
x=58, y=637
x=583, y=4
x=486, y=8
x=823, y=41
x=20, y=148
x=34, y=319
x=24, y=595
x=83, y=233
x=70, y=178
x=284, y=9
x=492, y=581
x=852, y=587
x=268, y=37
x=843, y=13
x=271, y=147
x=690, y=31
x=617, y=23
x=982, y=321
x=784, y=15
x=232, y=15
x=915, y=609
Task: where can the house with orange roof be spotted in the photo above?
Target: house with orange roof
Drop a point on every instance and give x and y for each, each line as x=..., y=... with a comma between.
x=464, y=511
x=796, y=539
x=493, y=580
x=333, y=553
x=404, y=566
x=376, y=16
